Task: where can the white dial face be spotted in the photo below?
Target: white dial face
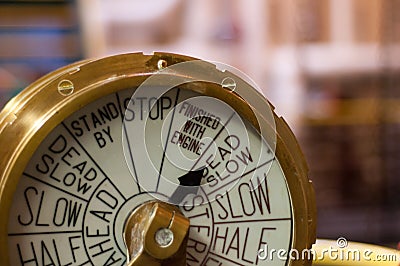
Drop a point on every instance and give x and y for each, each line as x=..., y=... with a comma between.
x=93, y=170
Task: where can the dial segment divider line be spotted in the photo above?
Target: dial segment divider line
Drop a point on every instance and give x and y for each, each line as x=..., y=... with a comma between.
x=86, y=248
x=167, y=139
x=84, y=213
x=125, y=133
x=86, y=262
x=45, y=233
x=215, y=137
x=95, y=163
x=256, y=221
x=243, y=175
x=55, y=187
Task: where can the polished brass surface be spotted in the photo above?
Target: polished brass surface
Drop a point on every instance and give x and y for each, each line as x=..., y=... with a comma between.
x=31, y=116
x=140, y=231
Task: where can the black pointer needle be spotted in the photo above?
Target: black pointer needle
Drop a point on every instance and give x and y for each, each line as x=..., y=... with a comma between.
x=188, y=184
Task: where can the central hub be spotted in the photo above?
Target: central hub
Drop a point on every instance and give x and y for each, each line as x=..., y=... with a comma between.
x=156, y=234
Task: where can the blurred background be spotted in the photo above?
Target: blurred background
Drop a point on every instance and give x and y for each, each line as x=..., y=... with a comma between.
x=330, y=67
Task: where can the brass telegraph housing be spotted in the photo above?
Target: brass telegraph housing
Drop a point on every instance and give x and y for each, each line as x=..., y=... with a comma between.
x=34, y=113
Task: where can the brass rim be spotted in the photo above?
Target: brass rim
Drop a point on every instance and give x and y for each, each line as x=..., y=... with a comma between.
x=31, y=116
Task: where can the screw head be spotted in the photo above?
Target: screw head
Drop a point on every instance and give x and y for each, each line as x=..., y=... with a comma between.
x=65, y=87
x=229, y=83
x=164, y=237
x=161, y=64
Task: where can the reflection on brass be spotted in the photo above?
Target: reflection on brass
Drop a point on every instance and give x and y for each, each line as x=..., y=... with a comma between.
x=156, y=234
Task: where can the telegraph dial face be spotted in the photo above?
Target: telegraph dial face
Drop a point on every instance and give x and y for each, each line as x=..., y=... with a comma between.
x=87, y=145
